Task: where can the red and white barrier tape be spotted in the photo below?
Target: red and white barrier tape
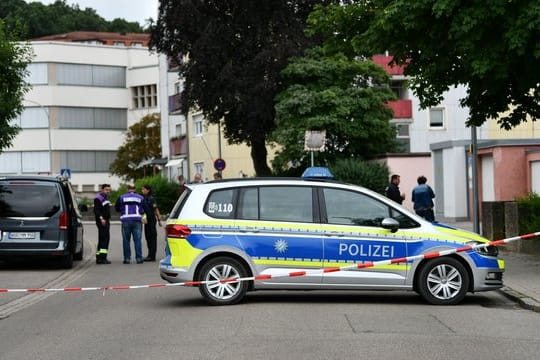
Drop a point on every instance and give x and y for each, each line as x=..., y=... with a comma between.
x=288, y=274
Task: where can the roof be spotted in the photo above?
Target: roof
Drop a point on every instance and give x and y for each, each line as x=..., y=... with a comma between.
x=106, y=38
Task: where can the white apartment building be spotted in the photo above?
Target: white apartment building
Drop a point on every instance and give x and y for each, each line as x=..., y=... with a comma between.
x=87, y=89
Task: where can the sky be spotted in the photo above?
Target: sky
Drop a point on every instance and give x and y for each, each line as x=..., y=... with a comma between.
x=130, y=10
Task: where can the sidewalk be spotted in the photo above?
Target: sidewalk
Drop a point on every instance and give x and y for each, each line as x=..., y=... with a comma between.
x=522, y=274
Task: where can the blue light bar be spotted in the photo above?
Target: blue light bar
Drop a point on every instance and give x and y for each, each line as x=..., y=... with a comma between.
x=317, y=172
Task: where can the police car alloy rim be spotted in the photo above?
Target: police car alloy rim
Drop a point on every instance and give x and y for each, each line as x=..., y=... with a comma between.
x=444, y=281
x=226, y=290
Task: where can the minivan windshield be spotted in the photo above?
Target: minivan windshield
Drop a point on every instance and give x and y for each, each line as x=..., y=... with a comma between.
x=29, y=199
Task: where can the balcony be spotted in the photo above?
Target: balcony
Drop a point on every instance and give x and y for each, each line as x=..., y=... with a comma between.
x=178, y=146
x=175, y=103
x=383, y=61
x=402, y=108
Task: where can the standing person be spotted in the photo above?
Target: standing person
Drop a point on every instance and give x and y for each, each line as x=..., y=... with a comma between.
x=197, y=178
x=102, y=213
x=392, y=190
x=152, y=216
x=422, y=196
x=130, y=206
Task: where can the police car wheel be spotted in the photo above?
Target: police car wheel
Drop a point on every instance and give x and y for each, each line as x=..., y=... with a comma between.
x=443, y=281
x=226, y=293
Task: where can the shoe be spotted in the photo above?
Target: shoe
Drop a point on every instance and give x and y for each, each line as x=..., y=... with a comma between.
x=140, y=261
x=126, y=262
x=105, y=261
x=148, y=258
x=99, y=261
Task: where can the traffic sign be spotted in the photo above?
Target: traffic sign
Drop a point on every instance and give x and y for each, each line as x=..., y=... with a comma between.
x=65, y=173
x=219, y=164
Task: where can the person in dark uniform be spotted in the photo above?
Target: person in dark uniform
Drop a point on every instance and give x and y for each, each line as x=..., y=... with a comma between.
x=152, y=216
x=392, y=190
x=422, y=197
x=102, y=213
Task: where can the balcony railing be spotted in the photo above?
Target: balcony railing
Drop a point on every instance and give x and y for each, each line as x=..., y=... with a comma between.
x=178, y=146
x=402, y=108
x=175, y=103
x=383, y=61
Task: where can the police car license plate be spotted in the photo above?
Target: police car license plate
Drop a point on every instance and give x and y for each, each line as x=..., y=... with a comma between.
x=23, y=235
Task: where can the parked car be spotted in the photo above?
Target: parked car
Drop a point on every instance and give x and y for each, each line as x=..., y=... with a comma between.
x=39, y=216
x=267, y=228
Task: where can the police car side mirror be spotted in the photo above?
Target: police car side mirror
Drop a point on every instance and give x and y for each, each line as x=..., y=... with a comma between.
x=390, y=224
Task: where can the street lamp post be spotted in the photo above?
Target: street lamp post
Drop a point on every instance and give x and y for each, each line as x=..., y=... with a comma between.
x=46, y=110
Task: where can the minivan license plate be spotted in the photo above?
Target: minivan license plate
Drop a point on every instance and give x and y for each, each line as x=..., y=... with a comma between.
x=22, y=235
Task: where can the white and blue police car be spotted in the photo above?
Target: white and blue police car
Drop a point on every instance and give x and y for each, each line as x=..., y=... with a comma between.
x=262, y=228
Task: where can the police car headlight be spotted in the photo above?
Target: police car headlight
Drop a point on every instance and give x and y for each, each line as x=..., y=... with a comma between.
x=485, y=250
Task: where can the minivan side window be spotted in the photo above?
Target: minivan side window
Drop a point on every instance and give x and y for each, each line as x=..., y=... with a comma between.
x=286, y=203
x=345, y=207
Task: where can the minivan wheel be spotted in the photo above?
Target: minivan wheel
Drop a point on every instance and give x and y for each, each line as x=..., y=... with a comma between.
x=79, y=255
x=66, y=262
x=443, y=281
x=223, y=293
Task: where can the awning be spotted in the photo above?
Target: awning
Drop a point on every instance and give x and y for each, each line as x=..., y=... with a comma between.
x=174, y=162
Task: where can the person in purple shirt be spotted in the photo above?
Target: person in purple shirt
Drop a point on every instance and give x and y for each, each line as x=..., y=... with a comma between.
x=130, y=207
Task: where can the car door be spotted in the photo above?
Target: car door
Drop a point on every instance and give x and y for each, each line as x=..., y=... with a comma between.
x=279, y=229
x=353, y=234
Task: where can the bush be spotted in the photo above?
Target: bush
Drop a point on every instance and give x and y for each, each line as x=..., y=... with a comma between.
x=373, y=176
x=529, y=207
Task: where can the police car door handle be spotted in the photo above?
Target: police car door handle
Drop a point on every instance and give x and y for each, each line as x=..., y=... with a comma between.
x=334, y=233
x=250, y=229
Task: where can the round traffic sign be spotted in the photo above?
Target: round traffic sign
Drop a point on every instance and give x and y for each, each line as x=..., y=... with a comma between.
x=219, y=164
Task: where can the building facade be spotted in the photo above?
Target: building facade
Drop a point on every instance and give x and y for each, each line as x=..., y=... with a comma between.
x=86, y=91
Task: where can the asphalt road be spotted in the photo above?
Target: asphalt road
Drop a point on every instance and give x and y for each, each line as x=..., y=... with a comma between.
x=174, y=322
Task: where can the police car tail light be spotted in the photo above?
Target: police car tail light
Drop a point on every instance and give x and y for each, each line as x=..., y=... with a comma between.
x=177, y=231
x=63, y=221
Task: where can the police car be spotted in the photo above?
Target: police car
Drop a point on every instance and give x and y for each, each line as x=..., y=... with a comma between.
x=270, y=230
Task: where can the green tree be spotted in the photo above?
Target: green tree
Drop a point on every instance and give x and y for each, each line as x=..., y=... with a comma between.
x=346, y=97
x=14, y=59
x=371, y=175
x=142, y=143
x=491, y=46
x=235, y=51
x=59, y=17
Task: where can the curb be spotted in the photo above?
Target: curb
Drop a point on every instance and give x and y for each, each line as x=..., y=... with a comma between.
x=523, y=300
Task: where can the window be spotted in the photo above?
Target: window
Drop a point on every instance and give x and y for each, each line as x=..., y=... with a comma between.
x=17, y=162
x=119, y=43
x=37, y=74
x=436, y=118
x=351, y=208
x=199, y=168
x=21, y=199
x=248, y=204
x=136, y=44
x=286, y=203
x=144, y=96
x=10, y=162
x=35, y=161
x=220, y=204
x=198, y=124
x=402, y=130
x=91, y=75
x=92, y=118
x=34, y=118
x=87, y=161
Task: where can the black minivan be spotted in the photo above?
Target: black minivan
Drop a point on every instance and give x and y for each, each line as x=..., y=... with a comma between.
x=39, y=216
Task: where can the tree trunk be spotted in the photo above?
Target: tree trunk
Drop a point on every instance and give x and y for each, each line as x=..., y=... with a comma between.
x=258, y=155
